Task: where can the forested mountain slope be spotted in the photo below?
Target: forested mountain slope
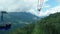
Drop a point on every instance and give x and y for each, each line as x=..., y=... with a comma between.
x=48, y=25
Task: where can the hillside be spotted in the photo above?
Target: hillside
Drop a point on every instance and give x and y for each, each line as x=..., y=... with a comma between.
x=48, y=25
x=20, y=16
x=19, y=19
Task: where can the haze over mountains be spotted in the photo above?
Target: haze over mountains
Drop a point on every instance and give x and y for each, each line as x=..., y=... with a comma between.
x=19, y=18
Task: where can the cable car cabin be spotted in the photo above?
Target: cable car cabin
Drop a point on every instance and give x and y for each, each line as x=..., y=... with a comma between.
x=39, y=9
x=3, y=24
x=5, y=27
x=40, y=4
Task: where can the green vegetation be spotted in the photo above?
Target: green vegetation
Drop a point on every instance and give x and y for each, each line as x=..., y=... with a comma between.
x=47, y=25
x=27, y=29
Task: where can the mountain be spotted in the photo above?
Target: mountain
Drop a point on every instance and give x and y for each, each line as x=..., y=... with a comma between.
x=48, y=25
x=19, y=19
x=20, y=16
x=23, y=16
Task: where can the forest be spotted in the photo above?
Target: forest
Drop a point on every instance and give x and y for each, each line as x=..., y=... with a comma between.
x=46, y=25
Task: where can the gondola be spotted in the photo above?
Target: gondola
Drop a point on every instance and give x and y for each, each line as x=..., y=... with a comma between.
x=3, y=24
x=40, y=4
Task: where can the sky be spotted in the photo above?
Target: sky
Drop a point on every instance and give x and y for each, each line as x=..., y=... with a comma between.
x=30, y=6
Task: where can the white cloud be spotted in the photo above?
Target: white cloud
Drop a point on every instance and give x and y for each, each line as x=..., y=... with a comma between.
x=12, y=5
x=50, y=11
x=7, y=4
x=45, y=0
x=25, y=5
x=47, y=12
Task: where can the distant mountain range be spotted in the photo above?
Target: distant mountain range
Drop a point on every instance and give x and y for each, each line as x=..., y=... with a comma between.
x=19, y=18
x=22, y=16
